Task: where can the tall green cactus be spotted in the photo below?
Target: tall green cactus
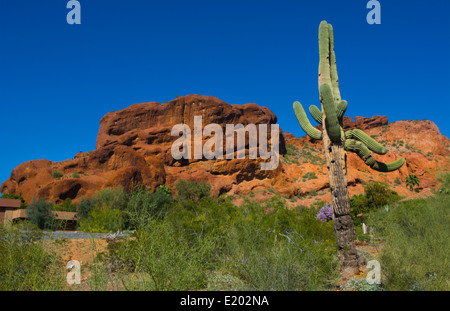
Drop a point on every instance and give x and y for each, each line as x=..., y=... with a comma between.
x=335, y=108
x=336, y=143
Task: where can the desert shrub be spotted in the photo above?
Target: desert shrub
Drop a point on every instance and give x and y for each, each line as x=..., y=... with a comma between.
x=23, y=204
x=40, y=213
x=75, y=175
x=445, y=184
x=416, y=242
x=411, y=181
x=163, y=199
x=142, y=204
x=160, y=258
x=214, y=245
x=57, y=174
x=66, y=206
x=102, y=219
x=209, y=216
x=191, y=190
x=84, y=207
x=25, y=262
x=318, y=204
x=273, y=248
x=309, y=176
x=375, y=195
x=116, y=198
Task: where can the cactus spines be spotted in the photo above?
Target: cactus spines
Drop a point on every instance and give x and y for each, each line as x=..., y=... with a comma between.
x=304, y=122
x=331, y=120
x=336, y=142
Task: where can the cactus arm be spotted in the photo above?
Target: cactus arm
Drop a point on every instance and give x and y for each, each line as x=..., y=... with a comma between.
x=364, y=153
x=333, y=67
x=341, y=109
x=388, y=167
x=316, y=113
x=304, y=122
x=358, y=147
x=324, y=53
x=331, y=120
x=367, y=140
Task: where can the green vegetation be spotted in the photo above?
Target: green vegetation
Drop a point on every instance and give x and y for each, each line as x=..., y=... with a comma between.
x=445, y=184
x=309, y=176
x=376, y=195
x=102, y=219
x=191, y=191
x=75, y=175
x=412, y=181
x=192, y=241
x=66, y=206
x=306, y=155
x=40, y=214
x=204, y=242
x=416, y=243
x=57, y=174
x=25, y=262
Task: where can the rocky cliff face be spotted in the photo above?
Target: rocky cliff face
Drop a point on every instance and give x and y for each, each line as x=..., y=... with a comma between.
x=134, y=146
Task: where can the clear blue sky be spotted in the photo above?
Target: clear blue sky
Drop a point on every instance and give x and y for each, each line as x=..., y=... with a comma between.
x=58, y=80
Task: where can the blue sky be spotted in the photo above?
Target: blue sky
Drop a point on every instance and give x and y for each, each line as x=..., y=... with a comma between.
x=58, y=80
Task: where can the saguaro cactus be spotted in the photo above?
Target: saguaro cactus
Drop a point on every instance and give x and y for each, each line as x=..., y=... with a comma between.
x=336, y=143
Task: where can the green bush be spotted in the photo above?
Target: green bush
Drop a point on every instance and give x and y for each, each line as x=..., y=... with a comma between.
x=116, y=198
x=40, y=213
x=102, y=219
x=416, y=241
x=445, y=184
x=191, y=190
x=26, y=263
x=57, y=174
x=143, y=204
x=309, y=176
x=273, y=248
x=376, y=195
x=84, y=207
x=214, y=245
x=66, y=206
x=75, y=175
x=161, y=259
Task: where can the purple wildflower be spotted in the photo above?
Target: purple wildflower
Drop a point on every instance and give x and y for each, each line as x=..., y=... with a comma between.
x=325, y=213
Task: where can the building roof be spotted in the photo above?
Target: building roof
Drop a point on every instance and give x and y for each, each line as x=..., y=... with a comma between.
x=9, y=203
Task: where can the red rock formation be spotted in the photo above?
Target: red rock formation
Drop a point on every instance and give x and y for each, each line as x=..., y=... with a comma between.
x=133, y=146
